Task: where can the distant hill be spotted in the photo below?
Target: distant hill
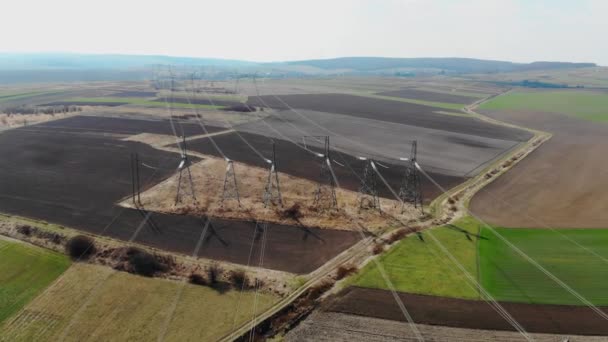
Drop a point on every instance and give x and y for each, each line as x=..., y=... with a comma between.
x=451, y=65
x=58, y=67
x=30, y=61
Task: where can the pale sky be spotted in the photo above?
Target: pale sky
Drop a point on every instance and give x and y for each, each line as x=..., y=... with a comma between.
x=278, y=30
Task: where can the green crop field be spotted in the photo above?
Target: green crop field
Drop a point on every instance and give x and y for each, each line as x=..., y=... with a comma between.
x=5, y=97
x=125, y=307
x=579, y=257
x=25, y=271
x=417, y=264
x=509, y=277
x=584, y=104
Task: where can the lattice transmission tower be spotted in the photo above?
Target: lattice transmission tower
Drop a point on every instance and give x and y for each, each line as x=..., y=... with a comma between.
x=231, y=189
x=184, y=164
x=368, y=190
x=326, y=189
x=272, y=190
x=410, y=190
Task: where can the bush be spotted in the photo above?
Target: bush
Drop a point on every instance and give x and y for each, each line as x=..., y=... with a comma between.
x=316, y=291
x=238, y=278
x=197, y=279
x=344, y=271
x=80, y=247
x=398, y=235
x=378, y=248
x=294, y=212
x=25, y=230
x=144, y=263
x=213, y=274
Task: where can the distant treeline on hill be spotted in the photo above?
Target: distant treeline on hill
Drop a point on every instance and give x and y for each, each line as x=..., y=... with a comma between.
x=58, y=67
x=535, y=84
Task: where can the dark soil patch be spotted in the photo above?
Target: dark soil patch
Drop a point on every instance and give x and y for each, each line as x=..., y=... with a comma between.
x=560, y=319
x=75, y=179
x=297, y=162
x=134, y=93
x=124, y=126
x=85, y=103
x=391, y=111
x=417, y=94
x=199, y=101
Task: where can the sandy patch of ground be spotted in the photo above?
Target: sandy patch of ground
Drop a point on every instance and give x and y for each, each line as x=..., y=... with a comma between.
x=208, y=179
x=20, y=120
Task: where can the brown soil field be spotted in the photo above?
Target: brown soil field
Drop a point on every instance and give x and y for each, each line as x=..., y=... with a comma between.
x=76, y=180
x=392, y=111
x=560, y=185
x=127, y=126
x=555, y=319
x=334, y=326
x=295, y=161
x=85, y=103
x=412, y=93
x=201, y=101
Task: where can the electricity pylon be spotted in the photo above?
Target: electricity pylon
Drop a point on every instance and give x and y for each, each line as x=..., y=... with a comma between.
x=326, y=189
x=184, y=164
x=231, y=190
x=368, y=191
x=410, y=190
x=272, y=190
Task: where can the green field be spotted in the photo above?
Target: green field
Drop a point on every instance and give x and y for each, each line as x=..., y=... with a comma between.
x=584, y=104
x=126, y=307
x=509, y=277
x=25, y=271
x=5, y=97
x=139, y=102
x=417, y=266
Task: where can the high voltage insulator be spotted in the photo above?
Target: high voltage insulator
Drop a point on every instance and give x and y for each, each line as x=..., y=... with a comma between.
x=184, y=164
x=231, y=190
x=411, y=190
x=272, y=190
x=326, y=189
x=368, y=190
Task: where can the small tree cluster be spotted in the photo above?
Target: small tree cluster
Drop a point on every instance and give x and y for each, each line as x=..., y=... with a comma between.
x=344, y=271
x=80, y=247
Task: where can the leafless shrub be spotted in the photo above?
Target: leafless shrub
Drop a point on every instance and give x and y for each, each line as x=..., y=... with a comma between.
x=238, y=278
x=80, y=247
x=344, y=271
x=197, y=279
x=213, y=274
x=378, y=248
x=25, y=230
x=294, y=212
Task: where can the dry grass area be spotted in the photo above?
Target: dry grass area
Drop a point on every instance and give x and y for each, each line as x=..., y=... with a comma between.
x=104, y=305
x=161, y=141
x=20, y=120
x=208, y=179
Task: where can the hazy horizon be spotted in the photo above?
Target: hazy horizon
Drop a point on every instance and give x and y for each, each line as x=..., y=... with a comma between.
x=520, y=31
